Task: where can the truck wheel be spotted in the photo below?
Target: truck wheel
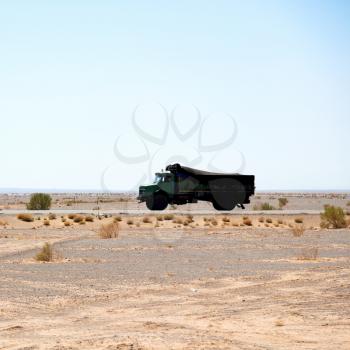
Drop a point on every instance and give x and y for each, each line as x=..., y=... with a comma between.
x=226, y=206
x=158, y=202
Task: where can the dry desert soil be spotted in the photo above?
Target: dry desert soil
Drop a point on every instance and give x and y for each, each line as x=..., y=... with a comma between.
x=174, y=281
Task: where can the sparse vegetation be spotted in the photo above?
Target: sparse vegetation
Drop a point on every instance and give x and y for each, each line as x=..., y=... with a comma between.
x=78, y=218
x=261, y=219
x=226, y=219
x=247, y=221
x=264, y=206
x=282, y=202
x=160, y=217
x=39, y=201
x=298, y=230
x=146, y=220
x=46, y=222
x=130, y=222
x=298, y=220
x=269, y=220
x=3, y=223
x=308, y=254
x=46, y=253
x=71, y=216
x=333, y=217
x=52, y=216
x=118, y=219
x=110, y=230
x=25, y=217
x=89, y=218
x=168, y=216
x=67, y=223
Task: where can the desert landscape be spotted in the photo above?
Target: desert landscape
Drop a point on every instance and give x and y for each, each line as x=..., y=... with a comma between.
x=116, y=276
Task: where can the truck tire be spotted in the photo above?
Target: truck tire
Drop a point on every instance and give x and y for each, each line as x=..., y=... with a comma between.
x=157, y=202
x=226, y=206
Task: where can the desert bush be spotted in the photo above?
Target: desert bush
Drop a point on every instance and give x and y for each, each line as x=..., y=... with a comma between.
x=46, y=222
x=130, y=222
x=67, y=223
x=261, y=219
x=225, y=219
x=46, y=253
x=52, y=216
x=280, y=222
x=298, y=230
x=39, y=201
x=298, y=220
x=269, y=220
x=333, y=217
x=78, y=218
x=263, y=206
x=89, y=218
x=71, y=216
x=282, y=202
x=247, y=222
x=308, y=254
x=168, y=216
x=146, y=220
x=160, y=217
x=63, y=219
x=3, y=223
x=178, y=221
x=25, y=217
x=213, y=221
x=109, y=230
x=118, y=219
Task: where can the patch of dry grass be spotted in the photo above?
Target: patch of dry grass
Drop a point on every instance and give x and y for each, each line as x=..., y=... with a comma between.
x=45, y=254
x=168, y=216
x=67, y=223
x=46, y=222
x=52, y=216
x=110, y=230
x=78, y=218
x=71, y=216
x=299, y=220
x=269, y=220
x=3, y=223
x=308, y=254
x=146, y=220
x=25, y=217
x=261, y=219
x=247, y=221
x=298, y=230
x=130, y=222
x=118, y=219
x=89, y=218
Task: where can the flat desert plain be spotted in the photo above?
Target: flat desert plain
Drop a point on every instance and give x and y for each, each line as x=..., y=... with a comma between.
x=174, y=280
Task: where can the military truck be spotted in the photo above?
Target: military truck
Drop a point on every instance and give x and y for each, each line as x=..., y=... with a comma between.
x=180, y=185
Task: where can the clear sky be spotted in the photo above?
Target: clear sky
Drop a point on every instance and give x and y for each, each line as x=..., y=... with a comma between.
x=72, y=72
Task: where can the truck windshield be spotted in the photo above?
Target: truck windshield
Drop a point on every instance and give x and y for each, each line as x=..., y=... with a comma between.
x=158, y=179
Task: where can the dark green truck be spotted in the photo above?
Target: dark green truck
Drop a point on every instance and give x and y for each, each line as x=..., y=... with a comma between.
x=181, y=185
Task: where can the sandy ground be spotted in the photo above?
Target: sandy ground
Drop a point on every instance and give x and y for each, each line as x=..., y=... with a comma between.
x=210, y=284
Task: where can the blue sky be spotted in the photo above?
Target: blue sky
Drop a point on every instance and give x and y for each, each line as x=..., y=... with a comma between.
x=72, y=72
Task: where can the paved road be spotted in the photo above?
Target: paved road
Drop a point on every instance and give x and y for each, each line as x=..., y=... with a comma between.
x=135, y=212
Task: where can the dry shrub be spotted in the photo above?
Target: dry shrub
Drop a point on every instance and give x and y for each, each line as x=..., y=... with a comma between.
x=168, y=216
x=185, y=223
x=160, y=217
x=89, y=218
x=189, y=218
x=67, y=223
x=298, y=220
x=3, y=223
x=46, y=222
x=52, y=216
x=279, y=323
x=63, y=219
x=178, y=221
x=282, y=202
x=109, y=230
x=298, y=230
x=146, y=220
x=247, y=222
x=261, y=219
x=267, y=225
x=46, y=253
x=118, y=219
x=213, y=221
x=269, y=220
x=225, y=219
x=25, y=217
x=78, y=218
x=71, y=216
x=39, y=201
x=82, y=222
x=308, y=254
x=263, y=206
x=280, y=222
x=130, y=222
x=333, y=217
